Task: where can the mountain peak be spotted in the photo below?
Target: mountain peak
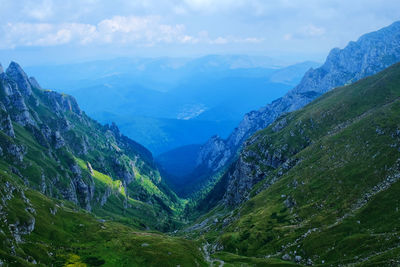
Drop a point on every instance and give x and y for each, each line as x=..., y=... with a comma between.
x=1, y=69
x=372, y=53
x=15, y=72
x=15, y=67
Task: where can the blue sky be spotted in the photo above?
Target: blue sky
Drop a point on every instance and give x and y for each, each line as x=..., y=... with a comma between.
x=56, y=31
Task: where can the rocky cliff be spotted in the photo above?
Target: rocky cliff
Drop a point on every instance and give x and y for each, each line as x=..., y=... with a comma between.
x=52, y=146
x=370, y=54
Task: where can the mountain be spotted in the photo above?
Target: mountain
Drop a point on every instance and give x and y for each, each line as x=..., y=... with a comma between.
x=159, y=74
x=319, y=186
x=154, y=101
x=74, y=192
x=371, y=53
x=292, y=74
x=49, y=143
x=43, y=231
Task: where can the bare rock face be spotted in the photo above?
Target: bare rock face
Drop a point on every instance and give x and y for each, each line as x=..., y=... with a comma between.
x=46, y=131
x=214, y=154
x=61, y=102
x=247, y=172
x=5, y=121
x=19, y=229
x=24, y=223
x=123, y=171
x=69, y=193
x=84, y=190
x=14, y=101
x=114, y=128
x=15, y=72
x=20, y=112
x=17, y=151
x=84, y=193
x=240, y=183
x=372, y=53
x=1, y=69
x=89, y=166
x=58, y=140
x=34, y=82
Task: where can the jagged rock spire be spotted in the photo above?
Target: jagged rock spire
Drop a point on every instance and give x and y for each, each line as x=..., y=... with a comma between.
x=34, y=82
x=15, y=72
x=114, y=128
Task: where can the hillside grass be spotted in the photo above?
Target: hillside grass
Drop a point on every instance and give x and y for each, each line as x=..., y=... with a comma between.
x=72, y=237
x=346, y=145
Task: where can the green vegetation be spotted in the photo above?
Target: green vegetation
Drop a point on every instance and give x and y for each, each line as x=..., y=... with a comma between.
x=230, y=259
x=337, y=202
x=66, y=236
x=125, y=185
x=75, y=193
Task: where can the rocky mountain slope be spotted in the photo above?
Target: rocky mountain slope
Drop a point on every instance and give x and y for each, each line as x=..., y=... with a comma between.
x=36, y=230
x=319, y=186
x=370, y=54
x=49, y=143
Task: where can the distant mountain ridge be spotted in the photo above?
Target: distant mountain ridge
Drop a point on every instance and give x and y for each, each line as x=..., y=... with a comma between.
x=155, y=100
x=372, y=53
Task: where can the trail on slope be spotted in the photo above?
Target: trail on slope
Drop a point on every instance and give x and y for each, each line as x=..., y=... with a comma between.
x=208, y=256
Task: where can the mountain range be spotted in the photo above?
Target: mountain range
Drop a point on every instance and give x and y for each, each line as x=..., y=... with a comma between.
x=156, y=101
x=310, y=179
x=319, y=186
x=370, y=54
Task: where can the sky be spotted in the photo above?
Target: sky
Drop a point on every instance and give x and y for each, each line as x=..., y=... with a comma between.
x=66, y=31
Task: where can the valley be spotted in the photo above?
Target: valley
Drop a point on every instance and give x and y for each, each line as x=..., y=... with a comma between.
x=312, y=178
x=156, y=101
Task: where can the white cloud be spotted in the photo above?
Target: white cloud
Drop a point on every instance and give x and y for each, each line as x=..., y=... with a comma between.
x=45, y=34
x=312, y=30
x=306, y=32
x=220, y=40
x=39, y=10
x=250, y=40
x=234, y=26
x=180, y=10
x=117, y=30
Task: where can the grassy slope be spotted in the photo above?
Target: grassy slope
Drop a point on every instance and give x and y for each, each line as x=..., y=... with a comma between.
x=346, y=144
x=145, y=202
x=73, y=237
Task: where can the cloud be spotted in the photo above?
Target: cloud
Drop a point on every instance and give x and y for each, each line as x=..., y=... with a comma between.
x=305, y=32
x=250, y=40
x=219, y=40
x=45, y=34
x=230, y=40
x=192, y=26
x=117, y=30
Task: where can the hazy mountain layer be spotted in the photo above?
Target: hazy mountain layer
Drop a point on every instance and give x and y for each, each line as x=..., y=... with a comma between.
x=156, y=100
